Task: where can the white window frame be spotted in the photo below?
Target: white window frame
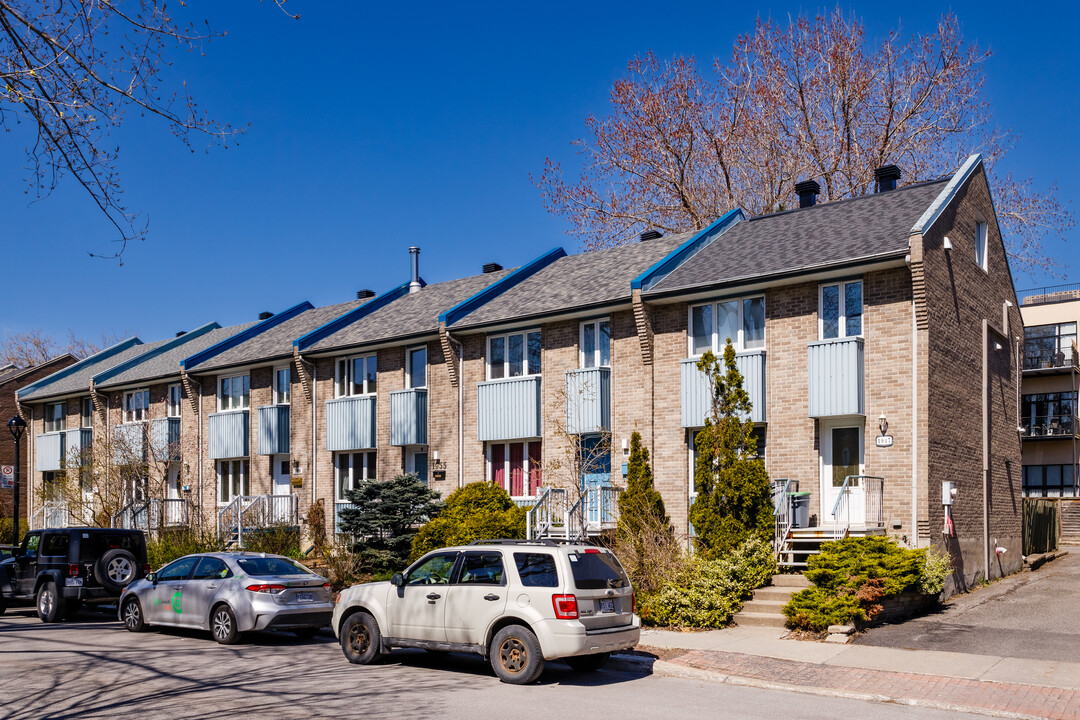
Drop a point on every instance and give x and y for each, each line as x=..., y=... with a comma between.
x=343, y=380
x=55, y=421
x=408, y=366
x=133, y=414
x=717, y=343
x=245, y=398
x=368, y=470
x=841, y=328
x=281, y=397
x=526, y=466
x=506, y=353
x=174, y=400
x=86, y=419
x=597, y=355
x=981, y=254
x=245, y=478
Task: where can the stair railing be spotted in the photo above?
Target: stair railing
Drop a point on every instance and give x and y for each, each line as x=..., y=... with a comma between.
x=548, y=516
x=782, y=515
x=874, y=494
x=841, y=510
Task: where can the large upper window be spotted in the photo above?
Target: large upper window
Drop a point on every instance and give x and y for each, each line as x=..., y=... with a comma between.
x=356, y=376
x=840, y=313
x=595, y=344
x=1048, y=413
x=86, y=412
x=352, y=470
x=136, y=405
x=282, y=380
x=416, y=367
x=513, y=354
x=175, y=395
x=980, y=245
x=234, y=392
x=741, y=320
x=1047, y=346
x=54, y=417
x=233, y=480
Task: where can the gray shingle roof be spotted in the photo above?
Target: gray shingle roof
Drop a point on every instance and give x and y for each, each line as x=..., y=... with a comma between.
x=168, y=363
x=826, y=234
x=413, y=314
x=7, y=372
x=583, y=280
x=277, y=342
x=79, y=381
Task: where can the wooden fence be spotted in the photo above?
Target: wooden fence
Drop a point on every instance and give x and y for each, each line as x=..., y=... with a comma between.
x=1040, y=525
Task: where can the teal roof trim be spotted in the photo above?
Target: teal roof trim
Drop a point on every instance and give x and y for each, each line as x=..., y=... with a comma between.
x=684, y=252
x=71, y=369
x=242, y=337
x=495, y=289
x=324, y=331
x=164, y=347
x=947, y=194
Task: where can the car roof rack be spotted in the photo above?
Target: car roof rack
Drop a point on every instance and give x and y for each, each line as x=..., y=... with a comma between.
x=510, y=541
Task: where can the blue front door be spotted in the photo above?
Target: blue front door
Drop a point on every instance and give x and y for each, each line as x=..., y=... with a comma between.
x=596, y=473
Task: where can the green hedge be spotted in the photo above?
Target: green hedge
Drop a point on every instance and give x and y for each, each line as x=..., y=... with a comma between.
x=477, y=511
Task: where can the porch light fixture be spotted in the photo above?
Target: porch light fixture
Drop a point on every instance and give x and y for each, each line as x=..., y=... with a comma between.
x=295, y=467
x=435, y=455
x=17, y=426
x=883, y=424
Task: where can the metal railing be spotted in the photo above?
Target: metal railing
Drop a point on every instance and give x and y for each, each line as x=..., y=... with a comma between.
x=782, y=513
x=556, y=514
x=1058, y=425
x=52, y=514
x=1061, y=355
x=152, y=514
x=547, y=516
x=873, y=496
x=1049, y=294
x=252, y=512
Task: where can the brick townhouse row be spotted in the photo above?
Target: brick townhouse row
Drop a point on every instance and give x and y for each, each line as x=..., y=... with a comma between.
x=878, y=338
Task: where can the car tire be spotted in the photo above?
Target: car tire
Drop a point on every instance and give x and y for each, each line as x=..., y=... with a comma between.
x=132, y=614
x=361, y=640
x=516, y=656
x=116, y=569
x=50, y=606
x=306, y=633
x=223, y=625
x=587, y=663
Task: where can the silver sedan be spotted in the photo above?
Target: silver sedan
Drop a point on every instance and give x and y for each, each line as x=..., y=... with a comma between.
x=229, y=593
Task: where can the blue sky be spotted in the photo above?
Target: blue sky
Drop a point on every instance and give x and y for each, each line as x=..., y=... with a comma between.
x=377, y=128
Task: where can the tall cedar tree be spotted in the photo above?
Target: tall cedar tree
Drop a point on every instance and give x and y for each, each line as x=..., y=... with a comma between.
x=384, y=517
x=644, y=527
x=733, y=500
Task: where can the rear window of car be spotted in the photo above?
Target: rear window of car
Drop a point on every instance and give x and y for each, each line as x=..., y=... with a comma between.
x=536, y=569
x=55, y=545
x=271, y=566
x=597, y=570
x=93, y=545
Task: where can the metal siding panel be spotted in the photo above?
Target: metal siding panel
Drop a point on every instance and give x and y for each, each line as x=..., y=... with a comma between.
x=508, y=409
x=588, y=400
x=50, y=452
x=350, y=423
x=408, y=417
x=129, y=442
x=165, y=437
x=695, y=392
x=273, y=430
x=835, y=376
x=228, y=433
x=752, y=366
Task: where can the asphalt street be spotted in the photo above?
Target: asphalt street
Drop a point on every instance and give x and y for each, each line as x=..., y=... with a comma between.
x=93, y=668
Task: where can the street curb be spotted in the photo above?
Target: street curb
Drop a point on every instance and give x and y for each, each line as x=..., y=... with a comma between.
x=670, y=669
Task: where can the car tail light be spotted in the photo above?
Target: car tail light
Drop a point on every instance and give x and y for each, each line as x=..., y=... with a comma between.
x=565, y=606
x=633, y=602
x=592, y=551
x=269, y=589
x=73, y=569
x=326, y=586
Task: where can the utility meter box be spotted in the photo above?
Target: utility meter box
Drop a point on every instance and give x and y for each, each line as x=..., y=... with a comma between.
x=948, y=492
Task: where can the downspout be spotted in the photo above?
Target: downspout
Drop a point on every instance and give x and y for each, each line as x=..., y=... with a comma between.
x=914, y=425
x=202, y=508
x=314, y=437
x=985, y=448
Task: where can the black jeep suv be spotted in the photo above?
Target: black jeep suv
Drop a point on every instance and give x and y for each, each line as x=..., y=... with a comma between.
x=60, y=569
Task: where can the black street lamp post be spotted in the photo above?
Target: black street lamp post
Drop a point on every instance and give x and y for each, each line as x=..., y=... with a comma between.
x=17, y=426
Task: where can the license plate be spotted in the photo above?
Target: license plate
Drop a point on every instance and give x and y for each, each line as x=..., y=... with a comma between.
x=305, y=597
x=607, y=605
x=73, y=582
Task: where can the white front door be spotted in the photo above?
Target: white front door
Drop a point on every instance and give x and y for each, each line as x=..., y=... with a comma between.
x=280, y=509
x=842, y=456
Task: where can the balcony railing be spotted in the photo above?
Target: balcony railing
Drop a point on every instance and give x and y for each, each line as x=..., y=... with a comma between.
x=228, y=434
x=509, y=409
x=350, y=423
x=1049, y=426
x=248, y=513
x=58, y=450
x=129, y=443
x=835, y=377
x=588, y=400
x=409, y=417
x=165, y=439
x=696, y=398
x=274, y=430
x=1050, y=294
x=1050, y=353
x=52, y=514
x=152, y=514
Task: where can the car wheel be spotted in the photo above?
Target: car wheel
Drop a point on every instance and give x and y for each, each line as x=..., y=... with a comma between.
x=50, y=606
x=361, y=640
x=306, y=633
x=116, y=569
x=515, y=655
x=133, y=616
x=588, y=663
x=223, y=625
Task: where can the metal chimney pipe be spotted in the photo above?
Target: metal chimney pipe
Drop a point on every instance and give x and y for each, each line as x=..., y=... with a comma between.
x=414, y=284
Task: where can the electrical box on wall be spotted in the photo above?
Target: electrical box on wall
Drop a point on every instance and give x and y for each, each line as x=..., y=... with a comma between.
x=948, y=492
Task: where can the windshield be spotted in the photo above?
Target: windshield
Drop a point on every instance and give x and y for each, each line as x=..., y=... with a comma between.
x=597, y=570
x=271, y=566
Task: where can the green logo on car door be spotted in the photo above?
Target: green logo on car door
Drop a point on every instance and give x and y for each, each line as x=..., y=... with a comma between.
x=176, y=602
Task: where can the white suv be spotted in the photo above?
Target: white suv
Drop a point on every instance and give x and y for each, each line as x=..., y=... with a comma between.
x=517, y=602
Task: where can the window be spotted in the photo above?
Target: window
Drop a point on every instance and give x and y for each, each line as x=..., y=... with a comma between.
x=352, y=470
x=536, y=569
x=1049, y=481
x=416, y=368
x=435, y=570
x=595, y=344
x=356, y=376
x=55, y=415
x=179, y=569
x=980, y=245
x=594, y=570
x=741, y=320
x=211, y=568
x=86, y=412
x=481, y=569
x=1048, y=346
x=272, y=567
x=234, y=393
x=233, y=480
x=511, y=464
x=56, y=544
x=282, y=380
x=136, y=405
x=840, y=313
x=1048, y=414
x=173, y=400
x=513, y=355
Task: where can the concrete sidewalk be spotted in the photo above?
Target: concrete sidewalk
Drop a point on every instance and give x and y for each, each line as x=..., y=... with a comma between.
x=986, y=684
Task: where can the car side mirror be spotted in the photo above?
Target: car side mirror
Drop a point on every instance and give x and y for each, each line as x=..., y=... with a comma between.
x=397, y=580
x=152, y=578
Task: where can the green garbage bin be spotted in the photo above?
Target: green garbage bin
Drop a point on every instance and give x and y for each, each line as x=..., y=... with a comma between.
x=800, y=509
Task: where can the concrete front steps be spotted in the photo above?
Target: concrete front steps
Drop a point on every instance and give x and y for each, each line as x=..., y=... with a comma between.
x=764, y=610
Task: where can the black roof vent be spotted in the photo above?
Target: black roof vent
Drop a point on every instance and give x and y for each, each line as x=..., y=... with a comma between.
x=181, y=332
x=265, y=315
x=650, y=235
x=886, y=177
x=492, y=267
x=364, y=294
x=807, y=190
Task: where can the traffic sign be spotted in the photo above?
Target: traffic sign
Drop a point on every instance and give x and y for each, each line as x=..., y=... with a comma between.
x=7, y=477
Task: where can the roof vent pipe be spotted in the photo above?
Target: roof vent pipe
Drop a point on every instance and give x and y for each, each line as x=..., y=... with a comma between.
x=414, y=284
x=650, y=235
x=265, y=315
x=364, y=294
x=886, y=177
x=807, y=191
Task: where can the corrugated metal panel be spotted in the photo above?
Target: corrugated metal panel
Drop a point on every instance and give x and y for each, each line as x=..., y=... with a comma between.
x=697, y=395
x=50, y=452
x=408, y=417
x=165, y=438
x=508, y=409
x=274, y=430
x=835, y=377
x=588, y=400
x=228, y=434
x=350, y=423
x=77, y=442
x=129, y=443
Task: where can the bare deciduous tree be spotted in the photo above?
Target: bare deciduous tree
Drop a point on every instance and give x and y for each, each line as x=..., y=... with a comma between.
x=34, y=347
x=809, y=99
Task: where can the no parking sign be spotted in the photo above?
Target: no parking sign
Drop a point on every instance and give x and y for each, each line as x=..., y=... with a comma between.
x=7, y=477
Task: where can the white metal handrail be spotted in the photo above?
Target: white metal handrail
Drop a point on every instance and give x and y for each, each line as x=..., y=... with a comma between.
x=871, y=497
x=250, y=512
x=782, y=514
